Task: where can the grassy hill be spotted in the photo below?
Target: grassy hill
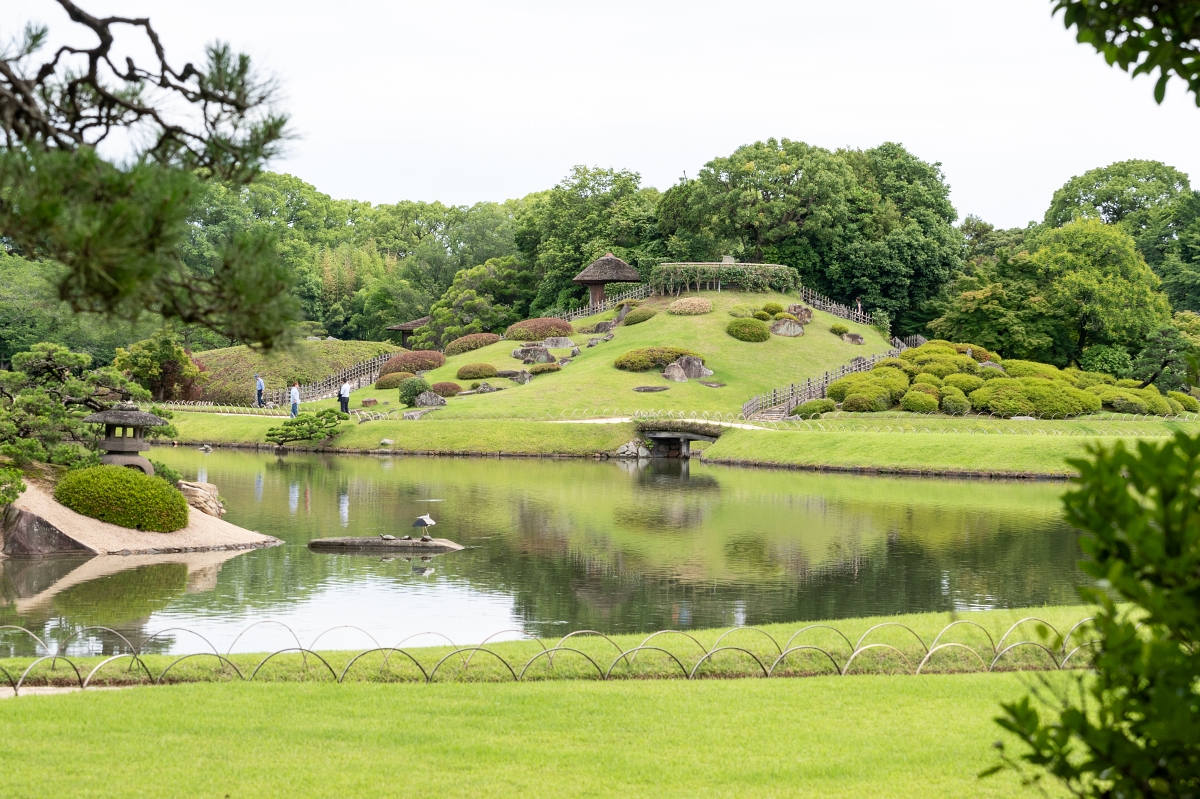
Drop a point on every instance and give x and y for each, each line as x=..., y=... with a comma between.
x=232, y=369
x=591, y=381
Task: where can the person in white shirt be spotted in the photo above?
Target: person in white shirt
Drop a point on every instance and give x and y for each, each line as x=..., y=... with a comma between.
x=344, y=396
x=259, y=388
x=295, y=398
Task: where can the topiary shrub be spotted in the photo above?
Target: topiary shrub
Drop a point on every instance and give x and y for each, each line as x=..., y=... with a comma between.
x=926, y=388
x=124, y=497
x=891, y=384
x=415, y=361
x=748, y=330
x=543, y=368
x=772, y=308
x=1089, y=379
x=742, y=311
x=925, y=377
x=1176, y=408
x=977, y=352
x=1130, y=399
x=471, y=342
x=956, y=404
x=1189, y=403
x=446, y=389
x=918, y=401
x=393, y=380
x=858, y=403
x=762, y=316
x=839, y=329
x=475, y=371
x=1033, y=396
x=1129, y=382
x=638, y=315
x=807, y=410
x=964, y=383
x=538, y=329
x=785, y=315
x=412, y=388
x=1016, y=368
x=690, y=306
x=647, y=358
x=909, y=368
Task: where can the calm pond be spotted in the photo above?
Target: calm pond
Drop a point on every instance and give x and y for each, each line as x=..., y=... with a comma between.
x=555, y=546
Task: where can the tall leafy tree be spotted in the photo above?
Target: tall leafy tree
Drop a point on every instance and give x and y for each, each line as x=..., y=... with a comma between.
x=486, y=298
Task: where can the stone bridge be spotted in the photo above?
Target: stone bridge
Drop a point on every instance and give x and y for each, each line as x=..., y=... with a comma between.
x=673, y=444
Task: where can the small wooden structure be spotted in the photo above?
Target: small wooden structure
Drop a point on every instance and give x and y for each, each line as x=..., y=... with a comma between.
x=609, y=269
x=406, y=329
x=125, y=436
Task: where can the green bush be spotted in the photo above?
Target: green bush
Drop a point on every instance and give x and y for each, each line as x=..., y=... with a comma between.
x=954, y=401
x=412, y=388
x=1110, y=360
x=543, y=368
x=977, y=352
x=859, y=403
x=910, y=369
x=472, y=342
x=919, y=402
x=165, y=472
x=446, y=389
x=783, y=315
x=965, y=383
x=415, y=361
x=891, y=383
x=1016, y=368
x=1089, y=379
x=475, y=371
x=807, y=410
x=124, y=497
x=748, y=330
x=762, y=316
x=772, y=308
x=926, y=388
x=838, y=329
x=647, y=358
x=11, y=486
x=925, y=377
x=940, y=359
x=1129, y=382
x=1176, y=408
x=639, y=315
x=690, y=306
x=393, y=380
x=1189, y=403
x=538, y=329
x=1033, y=396
x=742, y=311
x=1132, y=400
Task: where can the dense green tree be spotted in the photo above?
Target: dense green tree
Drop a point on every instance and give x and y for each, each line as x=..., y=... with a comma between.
x=158, y=364
x=1163, y=361
x=486, y=298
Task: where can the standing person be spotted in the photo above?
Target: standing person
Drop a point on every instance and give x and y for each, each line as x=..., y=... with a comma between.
x=259, y=387
x=344, y=396
x=295, y=398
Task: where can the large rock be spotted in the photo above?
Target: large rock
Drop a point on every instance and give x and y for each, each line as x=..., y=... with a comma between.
x=788, y=328
x=802, y=313
x=533, y=355
x=202, y=497
x=427, y=399
x=370, y=402
x=604, y=327
x=608, y=337
x=486, y=388
x=853, y=338
x=558, y=343
x=693, y=367
x=593, y=342
x=674, y=372
x=522, y=377
x=27, y=535
x=507, y=373
x=992, y=365
x=574, y=352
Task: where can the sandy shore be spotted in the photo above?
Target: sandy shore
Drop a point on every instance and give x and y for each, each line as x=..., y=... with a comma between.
x=203, y=532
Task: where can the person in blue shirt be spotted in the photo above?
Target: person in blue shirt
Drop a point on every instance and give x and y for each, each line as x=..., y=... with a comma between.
x=259, y=387
x=295, y=398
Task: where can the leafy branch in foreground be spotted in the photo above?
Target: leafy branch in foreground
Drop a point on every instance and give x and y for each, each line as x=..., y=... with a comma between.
x=1128, y=730
x=308, y=427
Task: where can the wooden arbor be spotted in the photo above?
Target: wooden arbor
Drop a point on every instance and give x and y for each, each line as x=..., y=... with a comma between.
x=609, y=269
x=125, y=436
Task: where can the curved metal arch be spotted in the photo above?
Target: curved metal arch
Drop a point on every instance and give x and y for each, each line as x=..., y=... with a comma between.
x=224, y=660
x=106, y=661
x=433, y=672
x=389, y=650
x=920, y=640
x=1071, y=631
x=616, y=646
x=8, y=677
x=247, y=629
x=818, y=627
x=991, y=640
x=41, y=643
x=528, y=637
x=550, y=654
x=712, y=652
x=1017, y=624
x=717, y=643
x=141, y=647
x=652, y=636
x=1011, y=647
x=636, y=649
x=29, y=668
x=82, y=630
x=790, y=650
x=427, y=632
x=299, y=649
x=313, y=645
x=857, y=652
x=1063, y=664
x=951, y=645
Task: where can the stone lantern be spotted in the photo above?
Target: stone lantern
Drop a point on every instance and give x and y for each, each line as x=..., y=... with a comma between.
x=125, y=436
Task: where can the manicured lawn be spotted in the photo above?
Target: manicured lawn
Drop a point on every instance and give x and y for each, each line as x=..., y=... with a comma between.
x=829, y=737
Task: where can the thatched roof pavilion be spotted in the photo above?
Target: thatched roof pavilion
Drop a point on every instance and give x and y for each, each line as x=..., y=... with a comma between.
x=609, y=269
x=406, y=329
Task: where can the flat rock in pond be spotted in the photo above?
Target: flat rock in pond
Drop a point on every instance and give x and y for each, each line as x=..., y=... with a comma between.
x=651, y=389
x=377, y=544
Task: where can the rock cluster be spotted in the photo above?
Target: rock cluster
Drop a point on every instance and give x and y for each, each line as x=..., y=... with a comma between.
x=203, y=497
x=802, y=313
x=687, y=367
x=427, y=399
x=536, y=354
x=558, y=343
x=634, y=449
x=787, y=328
x=853, y=338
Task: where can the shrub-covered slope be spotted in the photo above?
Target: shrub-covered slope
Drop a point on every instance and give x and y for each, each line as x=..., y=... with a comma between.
x=232, y=369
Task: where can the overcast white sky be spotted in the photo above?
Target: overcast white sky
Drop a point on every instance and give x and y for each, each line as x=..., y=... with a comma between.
x=468, y=101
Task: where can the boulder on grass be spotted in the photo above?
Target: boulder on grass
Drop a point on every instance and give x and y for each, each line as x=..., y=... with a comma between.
x=558, y=343
x=428, y=399
x=593, y=342
x=367, y=403
x=853, y=338
x=803, y=313
x=507, y=373
x=533, y=355
x=604, y=327
x=787, y=328
x=674, y=372
x=693, y=367
x=522, y=377
x=202, y=497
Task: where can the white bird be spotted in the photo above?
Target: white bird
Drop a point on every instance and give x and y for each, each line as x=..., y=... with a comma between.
x=424, y=521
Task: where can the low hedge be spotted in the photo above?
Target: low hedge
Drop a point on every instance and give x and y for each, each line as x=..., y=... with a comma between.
x=742, y=311
x=1132, y=400
x=964, y=383
x=839, y=329
x=893, y=382
x=412, y=388
x=807, y=410
x=926, y=377
x=538, y=329
x=1189, y=403
x=954, y=401
x=392, y=380
x=860, y=403
x=639, y=315
x=647, y=358
x=748, y=330
x=475, y=371
x=772, y=308
x=543, y=368
x=1033, y=396
x=446, y=389
x=1017, y=368
x=762, y=316
x=471, y=342
x=124, y=497
x=926, y=388
x=690, y=306
x=918, y=401
x=415, y=361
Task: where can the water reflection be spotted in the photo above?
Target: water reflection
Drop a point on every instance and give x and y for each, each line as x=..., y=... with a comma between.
x=556, y=545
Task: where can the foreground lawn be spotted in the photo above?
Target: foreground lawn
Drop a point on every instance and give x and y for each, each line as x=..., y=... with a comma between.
x=830, y=737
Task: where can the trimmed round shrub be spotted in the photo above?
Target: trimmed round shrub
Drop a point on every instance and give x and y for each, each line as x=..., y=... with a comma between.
x=1124, y=399
x=538, y=329
x=858, y=403
x=919, y=402
x=1089, y=379
x=888, y=383
x=925, y=377
x=1016, y=368
x=690, y=306
x=392, y=380
x=1110, y=360
x=956, y=405
x=471, y=342
x=1033, y=396
x=964, y=383
x=762, y=316
x=446, y=389
x=412, y=388
x=1189, y=403
x=415, y=361
x=977, y=352
x=1127, y=404
x=647, y=358
x=638, y=315
x=124, y=497
x=1175, y=407
x=543, y=368
x=773, y=308
x=1128, y=382
x=926, y=388
x=807, y=410
x=742, y=311
x=785, y=315
x=839, y=329
x=748, y=330
x=910, y=369
x=475, y=371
